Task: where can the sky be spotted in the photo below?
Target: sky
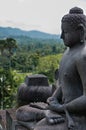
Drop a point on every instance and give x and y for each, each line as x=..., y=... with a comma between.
x=41, y=15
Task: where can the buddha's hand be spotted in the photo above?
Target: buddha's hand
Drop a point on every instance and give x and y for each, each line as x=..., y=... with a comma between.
x=71, y=125
x=54, y=105
x=52, y=100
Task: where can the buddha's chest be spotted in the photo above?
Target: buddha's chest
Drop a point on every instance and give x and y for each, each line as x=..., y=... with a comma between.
x=68, y=69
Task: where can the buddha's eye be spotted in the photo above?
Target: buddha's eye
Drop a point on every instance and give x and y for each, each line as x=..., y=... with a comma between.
x=65, y=31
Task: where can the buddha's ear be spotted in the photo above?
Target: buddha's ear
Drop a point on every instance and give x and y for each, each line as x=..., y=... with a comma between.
x=80, y=27
x=81, y=30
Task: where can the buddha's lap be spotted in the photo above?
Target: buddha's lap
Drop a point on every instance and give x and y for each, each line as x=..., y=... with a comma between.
x=80, y=121
x=80, y=124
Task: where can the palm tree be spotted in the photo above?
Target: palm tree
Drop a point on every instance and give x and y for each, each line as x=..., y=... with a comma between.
x=10, y=44
x=2, y=46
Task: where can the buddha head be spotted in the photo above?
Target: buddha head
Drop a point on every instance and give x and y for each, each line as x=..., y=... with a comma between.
x=74, y=27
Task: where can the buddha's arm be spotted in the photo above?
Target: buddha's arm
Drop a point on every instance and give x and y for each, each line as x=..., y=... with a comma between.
x=76, y=106
x=79, y=104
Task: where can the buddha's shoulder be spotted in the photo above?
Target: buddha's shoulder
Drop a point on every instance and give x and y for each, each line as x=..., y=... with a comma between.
x=82, y=53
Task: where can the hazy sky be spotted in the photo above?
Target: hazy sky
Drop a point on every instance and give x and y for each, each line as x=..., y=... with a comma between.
x=43, y=15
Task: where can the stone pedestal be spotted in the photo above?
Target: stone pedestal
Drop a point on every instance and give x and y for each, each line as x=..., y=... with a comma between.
x=11, y=122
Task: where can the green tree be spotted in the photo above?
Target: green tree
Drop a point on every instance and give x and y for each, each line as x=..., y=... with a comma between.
x=10, y=44
x=47, y=65
x=2, y=46
x=9, y=82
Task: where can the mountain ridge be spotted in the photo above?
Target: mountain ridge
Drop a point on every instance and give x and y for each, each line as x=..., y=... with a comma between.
x=13, y=32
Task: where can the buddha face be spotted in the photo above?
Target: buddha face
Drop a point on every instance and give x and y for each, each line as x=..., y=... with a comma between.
x=70, y=35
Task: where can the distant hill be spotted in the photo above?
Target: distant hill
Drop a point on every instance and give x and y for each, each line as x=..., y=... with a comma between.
x=16, y=32
x=27, y=37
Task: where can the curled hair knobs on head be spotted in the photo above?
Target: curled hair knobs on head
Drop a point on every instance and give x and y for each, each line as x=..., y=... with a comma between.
x=76, y=10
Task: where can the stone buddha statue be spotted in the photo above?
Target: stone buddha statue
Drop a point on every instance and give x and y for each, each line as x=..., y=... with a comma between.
x=66, y=108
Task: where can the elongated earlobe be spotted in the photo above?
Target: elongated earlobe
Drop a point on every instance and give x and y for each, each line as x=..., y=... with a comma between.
x=80, y=28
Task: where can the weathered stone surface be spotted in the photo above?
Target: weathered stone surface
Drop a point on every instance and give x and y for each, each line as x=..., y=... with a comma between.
x=35, y=89
x=27, y=113
x=11, y=121
x=3, y=118
x=36, y=80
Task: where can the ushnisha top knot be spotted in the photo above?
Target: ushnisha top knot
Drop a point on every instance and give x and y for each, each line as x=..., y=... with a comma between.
x=75, y=17
x=76, y=10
